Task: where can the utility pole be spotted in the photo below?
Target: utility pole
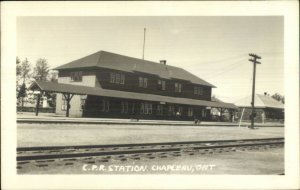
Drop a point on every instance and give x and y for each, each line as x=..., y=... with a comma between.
x=254, y=61
x=144, y=42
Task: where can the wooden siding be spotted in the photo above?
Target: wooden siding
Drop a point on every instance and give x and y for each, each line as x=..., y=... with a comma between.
x=94, y=108
x=132, y=85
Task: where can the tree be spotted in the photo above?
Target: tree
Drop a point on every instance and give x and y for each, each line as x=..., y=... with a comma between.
x=18, y=66
x=24, y=70
x=22, y=94
x=278, y=97
x=53, y=76
x=23, y=73
x=41, y=70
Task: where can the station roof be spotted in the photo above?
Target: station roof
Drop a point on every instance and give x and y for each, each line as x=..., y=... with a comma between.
x=85, y=90
x=260, y=101
x=103, y=59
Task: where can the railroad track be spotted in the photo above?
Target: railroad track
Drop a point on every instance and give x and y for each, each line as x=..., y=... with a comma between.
x=124, y=152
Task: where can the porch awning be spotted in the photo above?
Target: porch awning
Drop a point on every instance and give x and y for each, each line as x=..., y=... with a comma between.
x=96, y=91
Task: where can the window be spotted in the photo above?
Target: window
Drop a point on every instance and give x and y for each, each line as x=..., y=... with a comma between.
x=63, y=104
x=105, y=105
x=132, y=108
x=124, y=107
x=142, y=108
x=161, y=84
x=146, y=108
x=117, y=78
x=76, y=76
x=143, y=82
x=82, y=101
x=171, y=110
x=179, y=111
x=198, y=90
x=177, y=87
x=203, y=113
x=160, y=109
x=190, y=112
x=112, y=77
x=195, y=90
x=122, y=79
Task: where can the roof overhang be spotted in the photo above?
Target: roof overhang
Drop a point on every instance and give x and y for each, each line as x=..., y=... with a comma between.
x=95, y=91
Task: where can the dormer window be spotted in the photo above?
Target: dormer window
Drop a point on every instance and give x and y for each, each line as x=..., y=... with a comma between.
x=161, y=85
x=177, y=87
x=198, y=90
x=76, y=76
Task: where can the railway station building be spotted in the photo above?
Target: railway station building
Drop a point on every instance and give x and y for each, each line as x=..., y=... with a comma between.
x=266, y=108
x=110, y=85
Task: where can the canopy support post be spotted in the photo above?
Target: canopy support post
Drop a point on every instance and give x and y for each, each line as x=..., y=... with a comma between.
x=38, y=103
x=68, y=98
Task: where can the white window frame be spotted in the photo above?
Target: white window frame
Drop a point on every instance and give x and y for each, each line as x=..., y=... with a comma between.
x=145, y=82
x=142, y=111
x=112, y=77
x=105, y=105
x=124, y=107
x=171, y=110
x=163, y=85
x=198, y=90
x=122, y=79
x=141, y=81
x=118, y=78
x=203, y=113
x=159, y=109
x=190, y=112
x=177, y=87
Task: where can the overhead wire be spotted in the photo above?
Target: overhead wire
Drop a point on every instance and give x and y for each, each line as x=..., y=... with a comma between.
x=228, y=68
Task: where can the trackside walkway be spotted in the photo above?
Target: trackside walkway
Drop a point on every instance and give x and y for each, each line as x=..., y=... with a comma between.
x=28, y=117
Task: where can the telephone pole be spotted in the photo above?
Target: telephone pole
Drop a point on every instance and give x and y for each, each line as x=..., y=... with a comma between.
x=254, y=61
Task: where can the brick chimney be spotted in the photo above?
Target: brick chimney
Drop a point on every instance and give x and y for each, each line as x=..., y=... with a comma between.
x=163, y=62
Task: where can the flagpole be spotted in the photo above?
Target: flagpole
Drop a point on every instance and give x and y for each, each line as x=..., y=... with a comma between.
x=144, y=42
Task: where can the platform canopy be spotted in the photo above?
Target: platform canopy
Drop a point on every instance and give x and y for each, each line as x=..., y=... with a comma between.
x=96, y=91
x=260, y=101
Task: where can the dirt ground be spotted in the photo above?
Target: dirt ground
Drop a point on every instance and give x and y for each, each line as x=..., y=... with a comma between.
x=70, y=134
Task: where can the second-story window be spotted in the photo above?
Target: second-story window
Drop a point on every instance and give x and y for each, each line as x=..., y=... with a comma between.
x=122, y=79
x=177, y=87
x=76, y=76
x=112, y=77
x=143, y=82
x=161, y=84
x=198, y=90
x=117, y=78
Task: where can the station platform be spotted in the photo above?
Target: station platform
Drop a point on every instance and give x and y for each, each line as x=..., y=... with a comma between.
x=28, y=117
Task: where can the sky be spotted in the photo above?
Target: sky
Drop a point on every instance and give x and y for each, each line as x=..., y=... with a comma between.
x=214, y=48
